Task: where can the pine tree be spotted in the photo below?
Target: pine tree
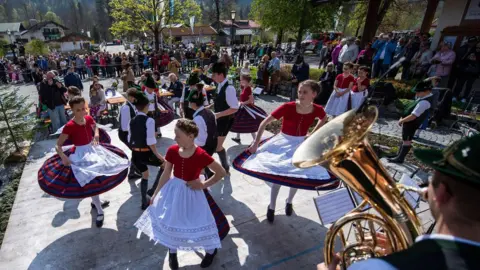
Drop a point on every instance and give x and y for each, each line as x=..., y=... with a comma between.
x=16, y=121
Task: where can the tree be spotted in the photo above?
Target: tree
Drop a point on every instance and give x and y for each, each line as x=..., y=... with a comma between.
x=51, y=16
x=293, y=15
x=102, y=16
x=16, y=123
x=3, y=43
x=36, y=47
x=95, y=34
x=150, y=16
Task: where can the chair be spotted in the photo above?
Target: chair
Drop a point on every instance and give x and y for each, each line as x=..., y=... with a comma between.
x=375, y=95
x=467, y=115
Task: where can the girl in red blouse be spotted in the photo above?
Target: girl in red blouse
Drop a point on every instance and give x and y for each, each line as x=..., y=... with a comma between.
x=338, y=101
x=272, y=160
x=359, y=89
x=179, y=216
x=248, y=116
x=86, y=170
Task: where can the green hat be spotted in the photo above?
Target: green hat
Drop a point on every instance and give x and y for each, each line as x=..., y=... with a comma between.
x=459, y=160
x=141, y=99
x=196, y=97
x=423, y=86
x=193, y=79
x=150, y=82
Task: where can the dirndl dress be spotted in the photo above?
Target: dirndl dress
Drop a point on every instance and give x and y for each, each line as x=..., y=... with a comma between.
x=248, y=119
x=165, y=113
x=94, y=170
x=183, y=218
x=337, y=105
x=357, y=98
x=272, y=162
x=103, y=135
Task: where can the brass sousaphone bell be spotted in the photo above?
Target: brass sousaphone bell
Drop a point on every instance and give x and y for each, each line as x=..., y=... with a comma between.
x=342, y=147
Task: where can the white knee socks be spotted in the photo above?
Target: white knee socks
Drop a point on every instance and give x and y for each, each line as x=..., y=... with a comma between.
x=98, y=204
x=291, y=194
x=174, y=251
x=274, y=195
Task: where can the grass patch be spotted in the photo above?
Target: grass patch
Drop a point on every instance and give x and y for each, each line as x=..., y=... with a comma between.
x=6, y=203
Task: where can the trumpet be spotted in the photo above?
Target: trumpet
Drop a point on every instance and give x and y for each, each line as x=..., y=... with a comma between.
x=342, y=147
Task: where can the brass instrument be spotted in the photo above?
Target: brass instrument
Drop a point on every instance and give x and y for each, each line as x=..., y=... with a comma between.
x=341, y=146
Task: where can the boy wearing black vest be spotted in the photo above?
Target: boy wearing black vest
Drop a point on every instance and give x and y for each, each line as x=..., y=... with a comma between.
x=225, y=106
x=206, y=123
x=142, y=140
x=127, y=113
x=413, y=117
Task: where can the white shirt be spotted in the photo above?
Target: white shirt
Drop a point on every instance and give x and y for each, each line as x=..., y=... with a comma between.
x=230, y=94
x=201, y=139
x=422, y=106
x=151, y=139
x=125, y=116
x=374, y=264
x=152, y=98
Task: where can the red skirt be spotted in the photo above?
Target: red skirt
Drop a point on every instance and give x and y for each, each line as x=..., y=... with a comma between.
x=245, y=122
x=220, y=219
x=58, y=180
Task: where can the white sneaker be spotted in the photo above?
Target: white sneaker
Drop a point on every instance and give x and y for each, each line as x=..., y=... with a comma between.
x=454, y=99
x=464, y=100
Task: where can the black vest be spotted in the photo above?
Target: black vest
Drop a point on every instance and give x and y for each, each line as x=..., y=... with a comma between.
x=138, y=131
x=419, y=120
x=436, y=254
x=220, y=103
x=209, y=118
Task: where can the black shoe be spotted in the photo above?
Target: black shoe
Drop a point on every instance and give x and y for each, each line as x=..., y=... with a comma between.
x=104, y=204
x=99, y=220
x=401, y=156
x=270, y=215
x=150, y=192
x=172, y=260
x=237, y=140
x=208, y=259
x=289, y=209
x=159, y=135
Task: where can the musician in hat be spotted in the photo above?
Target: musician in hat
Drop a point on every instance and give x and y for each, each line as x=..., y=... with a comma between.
x=453, y=195
x=413, y=117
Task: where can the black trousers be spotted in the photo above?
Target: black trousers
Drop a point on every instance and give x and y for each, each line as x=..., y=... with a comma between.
x=408, y=130
x=463, y=78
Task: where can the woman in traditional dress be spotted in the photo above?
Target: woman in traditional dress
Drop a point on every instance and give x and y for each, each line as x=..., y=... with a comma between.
x=271, y=160
x=360, y=87
x=98, y=102
x=86, y=170
x=338, y=101
x=249, y=116
x=180, y=216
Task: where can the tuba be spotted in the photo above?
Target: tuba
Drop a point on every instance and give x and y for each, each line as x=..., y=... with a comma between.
x=342, y=147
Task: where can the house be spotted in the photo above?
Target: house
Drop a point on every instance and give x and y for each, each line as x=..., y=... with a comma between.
x=47, y=30
x=184, y=34
x=72, y=42
x=15, y=30
x=243, y=31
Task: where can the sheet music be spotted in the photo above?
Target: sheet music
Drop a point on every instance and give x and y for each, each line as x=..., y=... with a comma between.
x=333, y=205
x=257, y=90
x=411, y=197
x=358, y=199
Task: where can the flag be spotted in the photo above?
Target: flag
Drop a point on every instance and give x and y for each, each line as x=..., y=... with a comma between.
x=192, y=22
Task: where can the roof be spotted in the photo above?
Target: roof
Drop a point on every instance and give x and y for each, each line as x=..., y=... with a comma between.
x=39, y=25
x=187, y=31
x=72, y=37
x=241, y=23
x=14, y=27
x=238, y=32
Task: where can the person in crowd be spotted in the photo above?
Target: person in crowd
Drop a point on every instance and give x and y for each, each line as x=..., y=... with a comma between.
x=360, y=87
x=73, y=79
x=52, y=64
x=175, y=87
x=248, y=116
x=262, y=72
x=241, y=55
x=128, y=77
x=88, y=65
x=461, y=54
x=37, y=76
x=80, y=66
x=411, y=48
x=174, y=66
x=227, y=60
x=336, y=51
x=225, y=107
x=118, y=64
x=453, y=196
x=469, y=71
x=326, y=80
x=355, y=70
x=63, y=67
x=103, y=65
x=142, y=141
x=165, y=59
x=272, y=160
x=420, y=62
x=95, y=65
x=300, y=73
x=245, y=69
x=413, y=117
x=443, y=61
x=348, y=53
x=181, y=200
x=52, y=95
x=338, y=101
x=274, y=71
x=88, y=169
x=385, y=47
x=98, y=102
x=400, y=52
x=213, y=58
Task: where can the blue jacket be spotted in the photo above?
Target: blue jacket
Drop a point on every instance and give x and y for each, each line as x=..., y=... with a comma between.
x=389, y=50
x=73, y=79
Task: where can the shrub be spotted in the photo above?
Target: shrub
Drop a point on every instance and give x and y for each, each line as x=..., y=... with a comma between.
x=404, y=89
